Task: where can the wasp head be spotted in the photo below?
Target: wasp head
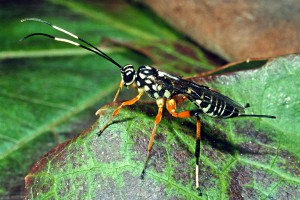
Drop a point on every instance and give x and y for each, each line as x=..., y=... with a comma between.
x=128, y=75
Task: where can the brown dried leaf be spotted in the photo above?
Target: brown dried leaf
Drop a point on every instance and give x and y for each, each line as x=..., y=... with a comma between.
x=236, y=30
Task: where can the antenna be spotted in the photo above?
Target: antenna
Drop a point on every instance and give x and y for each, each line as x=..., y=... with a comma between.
x=92, y=49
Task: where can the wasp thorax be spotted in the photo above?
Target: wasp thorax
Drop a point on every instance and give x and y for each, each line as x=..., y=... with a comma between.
x=128, y=74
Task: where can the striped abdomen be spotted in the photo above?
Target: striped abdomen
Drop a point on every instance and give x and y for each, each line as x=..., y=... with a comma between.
x=216, y=107
x=213, y=103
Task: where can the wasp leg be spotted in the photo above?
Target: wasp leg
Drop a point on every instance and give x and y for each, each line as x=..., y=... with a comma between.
x=126, y=103
x=197, y=153
x=171, y=107
x=120, y=88
x=160, y=104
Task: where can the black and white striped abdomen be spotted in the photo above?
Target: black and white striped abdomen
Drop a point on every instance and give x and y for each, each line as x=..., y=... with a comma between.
x=215, y=104
x=215, y=107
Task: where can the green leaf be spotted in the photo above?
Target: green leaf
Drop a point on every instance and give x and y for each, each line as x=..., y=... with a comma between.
x=49, y=91
x=246, y=158
x=178, y=57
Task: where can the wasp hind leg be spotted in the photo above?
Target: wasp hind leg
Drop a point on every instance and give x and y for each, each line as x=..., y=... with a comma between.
x=171, y=107
x=197, y=153
x=160, y=104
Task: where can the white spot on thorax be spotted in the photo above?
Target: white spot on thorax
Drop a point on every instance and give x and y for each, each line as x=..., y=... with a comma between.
x=143, y=76
x=146, y=88
x=159, y=87
x=167, y=94
x=154, y=87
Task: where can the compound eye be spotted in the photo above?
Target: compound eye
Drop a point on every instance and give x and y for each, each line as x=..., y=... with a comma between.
x=128, y=74
x=128, y=77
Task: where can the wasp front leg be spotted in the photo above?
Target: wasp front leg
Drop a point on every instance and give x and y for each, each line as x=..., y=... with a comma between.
x=126, y=103
x=120, y=88
x=160, y=104
x=171, y=107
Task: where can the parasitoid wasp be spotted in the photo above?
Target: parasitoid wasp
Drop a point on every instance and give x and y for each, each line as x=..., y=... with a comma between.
x=166, y=89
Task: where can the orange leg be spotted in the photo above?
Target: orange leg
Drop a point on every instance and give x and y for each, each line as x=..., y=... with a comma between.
x=120, y=88
x=126, y=103
x=171, y=107
x=160, y=104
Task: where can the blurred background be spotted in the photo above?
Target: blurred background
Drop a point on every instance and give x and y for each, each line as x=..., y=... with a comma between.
x=49, y=91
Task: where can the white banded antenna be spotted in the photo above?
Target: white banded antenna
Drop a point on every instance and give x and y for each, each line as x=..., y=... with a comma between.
x=92, y=49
